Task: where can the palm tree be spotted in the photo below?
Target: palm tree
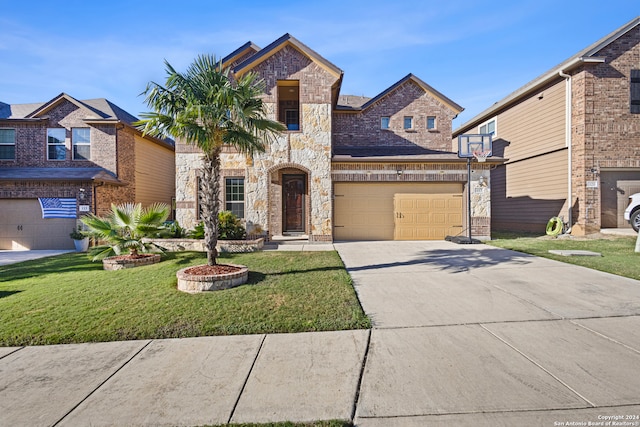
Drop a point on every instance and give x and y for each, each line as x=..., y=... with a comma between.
x=206, y=107
x=125, y=228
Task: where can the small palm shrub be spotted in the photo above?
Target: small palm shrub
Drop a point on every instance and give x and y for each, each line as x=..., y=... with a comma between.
x=125, y=228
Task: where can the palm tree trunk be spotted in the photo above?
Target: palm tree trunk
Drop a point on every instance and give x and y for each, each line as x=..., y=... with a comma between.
x=210, y=202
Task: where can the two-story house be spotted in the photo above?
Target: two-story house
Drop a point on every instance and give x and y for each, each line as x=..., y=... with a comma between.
x=571, y=138
x=64, y=158
x=347, y=168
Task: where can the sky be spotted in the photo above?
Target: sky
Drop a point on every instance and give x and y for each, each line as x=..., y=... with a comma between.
x=474, y=52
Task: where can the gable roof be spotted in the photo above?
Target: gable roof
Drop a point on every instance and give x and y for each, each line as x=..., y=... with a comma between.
x=409, y=77
x=279, y=44
x=585, y=56
x=99, y=110
x=246, y=49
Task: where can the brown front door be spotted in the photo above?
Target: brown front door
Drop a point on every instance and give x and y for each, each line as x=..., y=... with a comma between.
x=294, y=187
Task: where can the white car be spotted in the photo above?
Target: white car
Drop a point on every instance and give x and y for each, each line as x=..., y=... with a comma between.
x=632, y=213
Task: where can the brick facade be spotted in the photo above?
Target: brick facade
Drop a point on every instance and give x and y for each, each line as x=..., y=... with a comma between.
x=544, y=176
x=111, y=150
x=362, y=129
x=605, y=134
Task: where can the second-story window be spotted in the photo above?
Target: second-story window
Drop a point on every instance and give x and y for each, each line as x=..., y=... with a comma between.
x=81, y=142
x=431, y=122
x=408, y=122
x=56, y=149
x=384, y=122
x=635, y=92
x=289, y=104
x=488, y=127
x=7, y=144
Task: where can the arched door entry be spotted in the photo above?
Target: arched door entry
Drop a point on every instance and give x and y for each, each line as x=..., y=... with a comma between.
x=294, y=189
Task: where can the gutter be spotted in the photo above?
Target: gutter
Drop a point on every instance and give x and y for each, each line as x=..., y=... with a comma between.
x=568, y=143
x=526, y=90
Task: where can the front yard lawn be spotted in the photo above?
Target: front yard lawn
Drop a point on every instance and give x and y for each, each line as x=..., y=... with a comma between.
x=69, y=299
x=618, y=253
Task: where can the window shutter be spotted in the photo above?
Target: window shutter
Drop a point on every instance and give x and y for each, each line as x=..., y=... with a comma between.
x=635, y=92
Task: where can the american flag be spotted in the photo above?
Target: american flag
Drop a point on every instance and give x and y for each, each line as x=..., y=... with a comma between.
x=55, y=207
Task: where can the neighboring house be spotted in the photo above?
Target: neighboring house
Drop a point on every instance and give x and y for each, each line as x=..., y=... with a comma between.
x=572, y=140
x=347, y=168
x=78, y=156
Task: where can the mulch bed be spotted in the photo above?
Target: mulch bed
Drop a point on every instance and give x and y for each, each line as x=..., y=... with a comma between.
x=211, y=270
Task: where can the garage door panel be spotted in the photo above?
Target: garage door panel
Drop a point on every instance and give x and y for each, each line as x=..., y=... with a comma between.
x=440, y=219
x=22, y=227
x=365, y=211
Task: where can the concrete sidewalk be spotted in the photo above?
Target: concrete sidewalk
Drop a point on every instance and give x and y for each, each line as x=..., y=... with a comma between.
x=463, y=335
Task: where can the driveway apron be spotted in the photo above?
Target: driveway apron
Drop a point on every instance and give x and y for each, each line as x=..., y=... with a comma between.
x=477, y=335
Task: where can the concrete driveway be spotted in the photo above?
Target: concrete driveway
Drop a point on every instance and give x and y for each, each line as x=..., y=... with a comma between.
x=11, y=257
x=477, y=335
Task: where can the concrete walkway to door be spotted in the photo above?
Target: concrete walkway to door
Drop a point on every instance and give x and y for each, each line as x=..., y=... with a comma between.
x=482, y=336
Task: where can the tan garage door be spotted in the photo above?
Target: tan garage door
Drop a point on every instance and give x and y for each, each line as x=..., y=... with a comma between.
x=427, y=216
x=22, y=227
x=365, y=211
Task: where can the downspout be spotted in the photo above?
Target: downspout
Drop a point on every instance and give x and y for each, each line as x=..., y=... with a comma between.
x=568, y=142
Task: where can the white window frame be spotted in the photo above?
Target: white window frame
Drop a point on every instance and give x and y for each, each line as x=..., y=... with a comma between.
x=404, y=122
x=495, y=127
x=80, y=142
x=229, y=200
x=384, y=119
x=58, y=144
x=435, y=123
x=6, y=144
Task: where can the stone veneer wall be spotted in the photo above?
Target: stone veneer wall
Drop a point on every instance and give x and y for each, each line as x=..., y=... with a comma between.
x=306, y=151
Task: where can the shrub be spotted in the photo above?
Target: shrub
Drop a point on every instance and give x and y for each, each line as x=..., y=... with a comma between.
x=172, y=230
x=125, y=228
x=230, y=227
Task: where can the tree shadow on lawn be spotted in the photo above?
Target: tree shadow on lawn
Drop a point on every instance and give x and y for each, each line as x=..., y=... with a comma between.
x=8, y=293
x=55, y=264
x=255, y=277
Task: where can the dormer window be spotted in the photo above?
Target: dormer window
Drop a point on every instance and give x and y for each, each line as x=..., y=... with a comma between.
x=289, y=104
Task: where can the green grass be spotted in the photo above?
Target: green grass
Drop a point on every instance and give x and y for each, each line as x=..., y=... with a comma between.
x=68, y=299
x=618, y=253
